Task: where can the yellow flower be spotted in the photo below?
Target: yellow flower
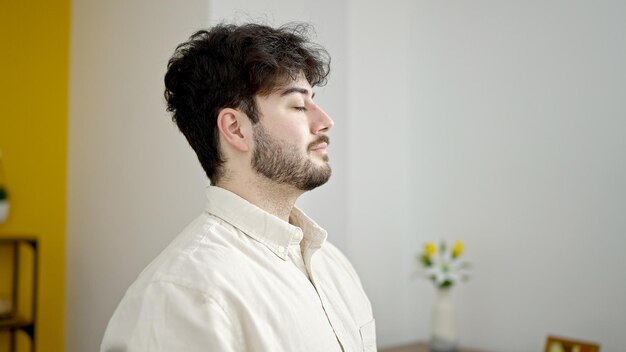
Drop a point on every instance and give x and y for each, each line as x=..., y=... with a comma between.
x=457, y=250
x=430, y=249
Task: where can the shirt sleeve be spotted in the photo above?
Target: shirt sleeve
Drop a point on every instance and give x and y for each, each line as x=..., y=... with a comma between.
x=167, y=317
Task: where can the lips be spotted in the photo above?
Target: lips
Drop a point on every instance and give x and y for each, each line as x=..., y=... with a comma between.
x=320, y=146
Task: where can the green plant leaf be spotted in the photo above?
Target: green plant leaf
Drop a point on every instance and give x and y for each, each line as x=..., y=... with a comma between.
x=446, y=284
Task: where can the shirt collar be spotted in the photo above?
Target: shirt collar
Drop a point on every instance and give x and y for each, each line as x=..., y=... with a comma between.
x=275, y=233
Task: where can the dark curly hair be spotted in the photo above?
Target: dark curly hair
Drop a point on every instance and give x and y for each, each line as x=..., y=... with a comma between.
x=227, y=66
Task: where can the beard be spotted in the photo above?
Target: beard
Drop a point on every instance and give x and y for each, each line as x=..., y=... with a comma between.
x=285, y=164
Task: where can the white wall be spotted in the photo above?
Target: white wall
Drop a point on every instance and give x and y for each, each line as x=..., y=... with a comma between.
x=518, y=114
x=133, y=182
x=500, y=123
x=379, y=173
x=497, y=122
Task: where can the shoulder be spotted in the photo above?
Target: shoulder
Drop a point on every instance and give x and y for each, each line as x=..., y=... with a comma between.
x=199, y=258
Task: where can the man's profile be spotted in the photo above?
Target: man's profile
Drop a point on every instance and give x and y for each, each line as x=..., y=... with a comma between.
x=252, y=272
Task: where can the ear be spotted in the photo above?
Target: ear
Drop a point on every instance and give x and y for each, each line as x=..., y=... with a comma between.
x=234, y=128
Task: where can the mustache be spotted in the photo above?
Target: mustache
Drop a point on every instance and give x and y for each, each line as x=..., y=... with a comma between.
x=322, y=139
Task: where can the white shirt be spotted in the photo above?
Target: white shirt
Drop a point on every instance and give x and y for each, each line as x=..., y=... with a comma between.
x=240, y=279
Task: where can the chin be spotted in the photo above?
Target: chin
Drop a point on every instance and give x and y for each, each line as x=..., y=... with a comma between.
x=323, y=159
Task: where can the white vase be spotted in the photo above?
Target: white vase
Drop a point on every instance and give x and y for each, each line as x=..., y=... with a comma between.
x=443, y=334
x=4, y=210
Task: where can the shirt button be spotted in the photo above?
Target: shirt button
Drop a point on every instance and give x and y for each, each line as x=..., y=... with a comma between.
x=281, y=249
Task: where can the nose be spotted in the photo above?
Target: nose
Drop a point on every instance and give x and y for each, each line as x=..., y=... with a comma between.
x=320, y=121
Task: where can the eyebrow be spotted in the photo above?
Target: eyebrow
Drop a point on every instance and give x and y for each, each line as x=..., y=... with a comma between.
x=300, y=90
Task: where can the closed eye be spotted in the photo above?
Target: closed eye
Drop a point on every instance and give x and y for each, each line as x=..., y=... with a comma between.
x=300, y=108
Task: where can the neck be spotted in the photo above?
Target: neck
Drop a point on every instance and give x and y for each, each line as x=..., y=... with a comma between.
x=276, y=199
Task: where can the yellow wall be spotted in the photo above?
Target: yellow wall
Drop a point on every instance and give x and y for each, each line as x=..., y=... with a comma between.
x=34, y=47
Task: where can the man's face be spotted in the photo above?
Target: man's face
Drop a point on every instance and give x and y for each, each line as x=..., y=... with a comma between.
x=290, y=137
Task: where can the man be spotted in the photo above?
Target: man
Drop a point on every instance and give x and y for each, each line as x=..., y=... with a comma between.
x=252, y=273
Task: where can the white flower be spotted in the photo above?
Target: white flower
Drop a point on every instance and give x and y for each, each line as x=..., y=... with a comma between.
x=444, y=267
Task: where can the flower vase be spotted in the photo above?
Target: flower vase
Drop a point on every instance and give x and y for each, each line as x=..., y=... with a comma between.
x=443, y=334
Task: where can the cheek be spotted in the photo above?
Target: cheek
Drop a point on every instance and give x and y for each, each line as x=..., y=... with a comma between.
x=292, y=133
